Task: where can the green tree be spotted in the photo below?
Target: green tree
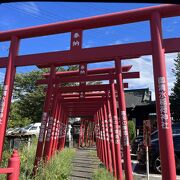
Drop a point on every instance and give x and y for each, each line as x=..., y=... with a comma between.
x=175, y=96
x=28, y=97
x=1, y=89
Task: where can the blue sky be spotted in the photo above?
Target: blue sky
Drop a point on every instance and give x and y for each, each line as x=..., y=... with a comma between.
x=24, y=14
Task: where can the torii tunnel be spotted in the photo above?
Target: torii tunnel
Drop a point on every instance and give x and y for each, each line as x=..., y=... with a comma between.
x=95, y=103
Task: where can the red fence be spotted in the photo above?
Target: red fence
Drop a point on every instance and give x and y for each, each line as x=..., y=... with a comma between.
x=13, y=169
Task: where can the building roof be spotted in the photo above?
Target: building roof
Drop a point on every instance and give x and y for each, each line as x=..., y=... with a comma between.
x=137, y=97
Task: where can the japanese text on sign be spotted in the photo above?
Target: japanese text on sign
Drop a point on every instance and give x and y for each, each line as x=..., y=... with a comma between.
x=116, y=130
x=124, y=128
x=76, y=38
x=49, y=131
x=110, y=128
x=106, y=130
x=43, y=127
x=163, y=102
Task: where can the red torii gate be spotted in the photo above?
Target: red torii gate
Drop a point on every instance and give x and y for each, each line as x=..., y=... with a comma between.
x=93, y=109
x=157, y=47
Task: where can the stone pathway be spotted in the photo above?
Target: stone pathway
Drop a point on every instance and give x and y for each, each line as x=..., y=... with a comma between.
x=84, y=164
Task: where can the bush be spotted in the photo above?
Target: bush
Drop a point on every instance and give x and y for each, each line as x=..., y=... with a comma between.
x=4, y=163
x=27, y=156
x=102, y=173
x=132, y=130
x=59, y=167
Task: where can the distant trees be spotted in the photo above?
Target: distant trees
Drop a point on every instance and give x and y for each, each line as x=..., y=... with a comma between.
x=175, y=96
x=28, y=98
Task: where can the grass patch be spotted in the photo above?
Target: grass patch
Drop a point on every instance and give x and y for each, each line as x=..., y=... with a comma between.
x=93, y=154
x=4, y=163
x=100, y=173
x=27, y=156
x=58, y=168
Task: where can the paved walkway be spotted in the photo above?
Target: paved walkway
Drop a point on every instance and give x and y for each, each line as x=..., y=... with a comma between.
x=84, y=165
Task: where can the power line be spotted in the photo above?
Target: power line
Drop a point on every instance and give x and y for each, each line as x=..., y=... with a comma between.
x=51, y=15
x=42, y=14
x=40, y=18
x=48, y=13
x=98, y=8
x=25, y=12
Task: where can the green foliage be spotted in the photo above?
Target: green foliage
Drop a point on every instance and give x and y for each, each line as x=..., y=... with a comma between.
x=27, y=155
x=175, y=96
x=6, y=156
x=16, y=119
x=26, y=83
x=59, y=167
x=27, y=159
x=72, y=68
x=28, y=98
x=1, y=89
x=102, y=173
x=132, y=130
x=4, y=163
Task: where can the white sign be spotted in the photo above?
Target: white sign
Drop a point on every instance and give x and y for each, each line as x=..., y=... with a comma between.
x=76, y=35
x=76, y=43
x=124, y=128
x=43, y=127
x=116, y=130
x=110, y=128
x=163, y=102
x=50, y=126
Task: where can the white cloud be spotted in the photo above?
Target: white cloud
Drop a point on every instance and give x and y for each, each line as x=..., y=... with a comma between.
x=144, y=66
x=101, y=65
x=108, y=32
x=7, y=22
x=175, y=22
x=88, y=44
x=29, y=7
x=118, y=42
x=170, y=24
x=2, y=75
x=169, y=29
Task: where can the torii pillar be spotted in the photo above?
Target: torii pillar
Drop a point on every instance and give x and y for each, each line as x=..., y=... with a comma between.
x=168, y=167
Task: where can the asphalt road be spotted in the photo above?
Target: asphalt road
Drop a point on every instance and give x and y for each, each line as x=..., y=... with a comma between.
x=139, y=172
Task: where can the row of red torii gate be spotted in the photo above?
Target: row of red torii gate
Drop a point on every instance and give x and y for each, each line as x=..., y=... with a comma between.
x=95, y=103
